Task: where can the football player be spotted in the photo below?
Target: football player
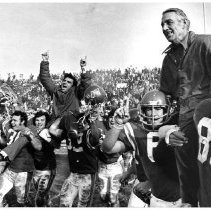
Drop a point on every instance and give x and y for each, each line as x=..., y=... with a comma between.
x=202, y=118
x=157, y=158
x=81, y=130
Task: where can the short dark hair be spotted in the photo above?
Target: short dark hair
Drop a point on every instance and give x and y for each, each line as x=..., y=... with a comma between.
x=69, y=75
x=23, y=116
x=39, y=114
x=178, y=12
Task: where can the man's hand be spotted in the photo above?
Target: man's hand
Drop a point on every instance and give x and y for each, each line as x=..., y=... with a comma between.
x=177, y=139
x=28, y=133
x=83, y=62
x=172, y=134
x=142, y=191
x=45, y=56
x=121, y=115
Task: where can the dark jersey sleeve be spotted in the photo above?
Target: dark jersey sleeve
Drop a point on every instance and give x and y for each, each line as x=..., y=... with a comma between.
x=123, y=138
x=45, y=78
x=62, y=123
x=94, y=135
x=140, y=172
x=84, y=84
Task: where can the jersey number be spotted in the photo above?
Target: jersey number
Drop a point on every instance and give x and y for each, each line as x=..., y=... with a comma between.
x=204, y=131
x=152, y=142
x=12, y=136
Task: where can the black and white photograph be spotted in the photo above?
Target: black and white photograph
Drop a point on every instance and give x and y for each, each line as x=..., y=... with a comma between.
x=105, y=104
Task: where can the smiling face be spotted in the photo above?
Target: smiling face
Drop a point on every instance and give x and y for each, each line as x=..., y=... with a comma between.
x=67, y=83
x=40, y=122
x=16, y=123
x=175, y=27
x=155, y=115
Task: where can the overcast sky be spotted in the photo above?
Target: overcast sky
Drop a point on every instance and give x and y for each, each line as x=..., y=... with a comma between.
x=111, y=35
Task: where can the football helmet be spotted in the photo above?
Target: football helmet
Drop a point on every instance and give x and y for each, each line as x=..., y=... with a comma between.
x=152, y=100
x=94, y=95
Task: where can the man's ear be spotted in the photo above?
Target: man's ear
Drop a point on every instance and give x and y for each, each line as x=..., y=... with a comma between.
x=186, y=22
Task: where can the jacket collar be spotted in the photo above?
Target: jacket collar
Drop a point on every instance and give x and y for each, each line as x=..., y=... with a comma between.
x=171, y=47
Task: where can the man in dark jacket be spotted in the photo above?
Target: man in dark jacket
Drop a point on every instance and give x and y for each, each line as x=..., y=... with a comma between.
x=66, y=96
x=186, y=76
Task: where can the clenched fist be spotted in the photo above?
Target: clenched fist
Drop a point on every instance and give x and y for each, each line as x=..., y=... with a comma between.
x=45, y=56
x=28, y=133
x=121, y=115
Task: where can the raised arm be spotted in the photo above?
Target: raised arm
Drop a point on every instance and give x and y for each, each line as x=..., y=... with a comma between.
x=111, y=143
x=85, y=80
x=44, y=76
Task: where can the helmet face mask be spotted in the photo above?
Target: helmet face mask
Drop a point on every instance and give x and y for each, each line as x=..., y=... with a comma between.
x=153, y=116
x=154, y=110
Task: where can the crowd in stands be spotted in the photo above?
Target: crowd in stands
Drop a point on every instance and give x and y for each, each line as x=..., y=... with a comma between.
x=116, y=83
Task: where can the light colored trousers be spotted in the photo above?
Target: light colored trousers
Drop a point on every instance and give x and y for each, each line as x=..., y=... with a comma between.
x=9, y=179
x=156, y=202
x=77, y=184
x=40, y=183
x=109, y=175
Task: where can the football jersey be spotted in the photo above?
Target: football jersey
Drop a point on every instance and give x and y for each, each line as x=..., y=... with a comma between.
x=82, y=159
x=161, y=172
x=23, y=162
